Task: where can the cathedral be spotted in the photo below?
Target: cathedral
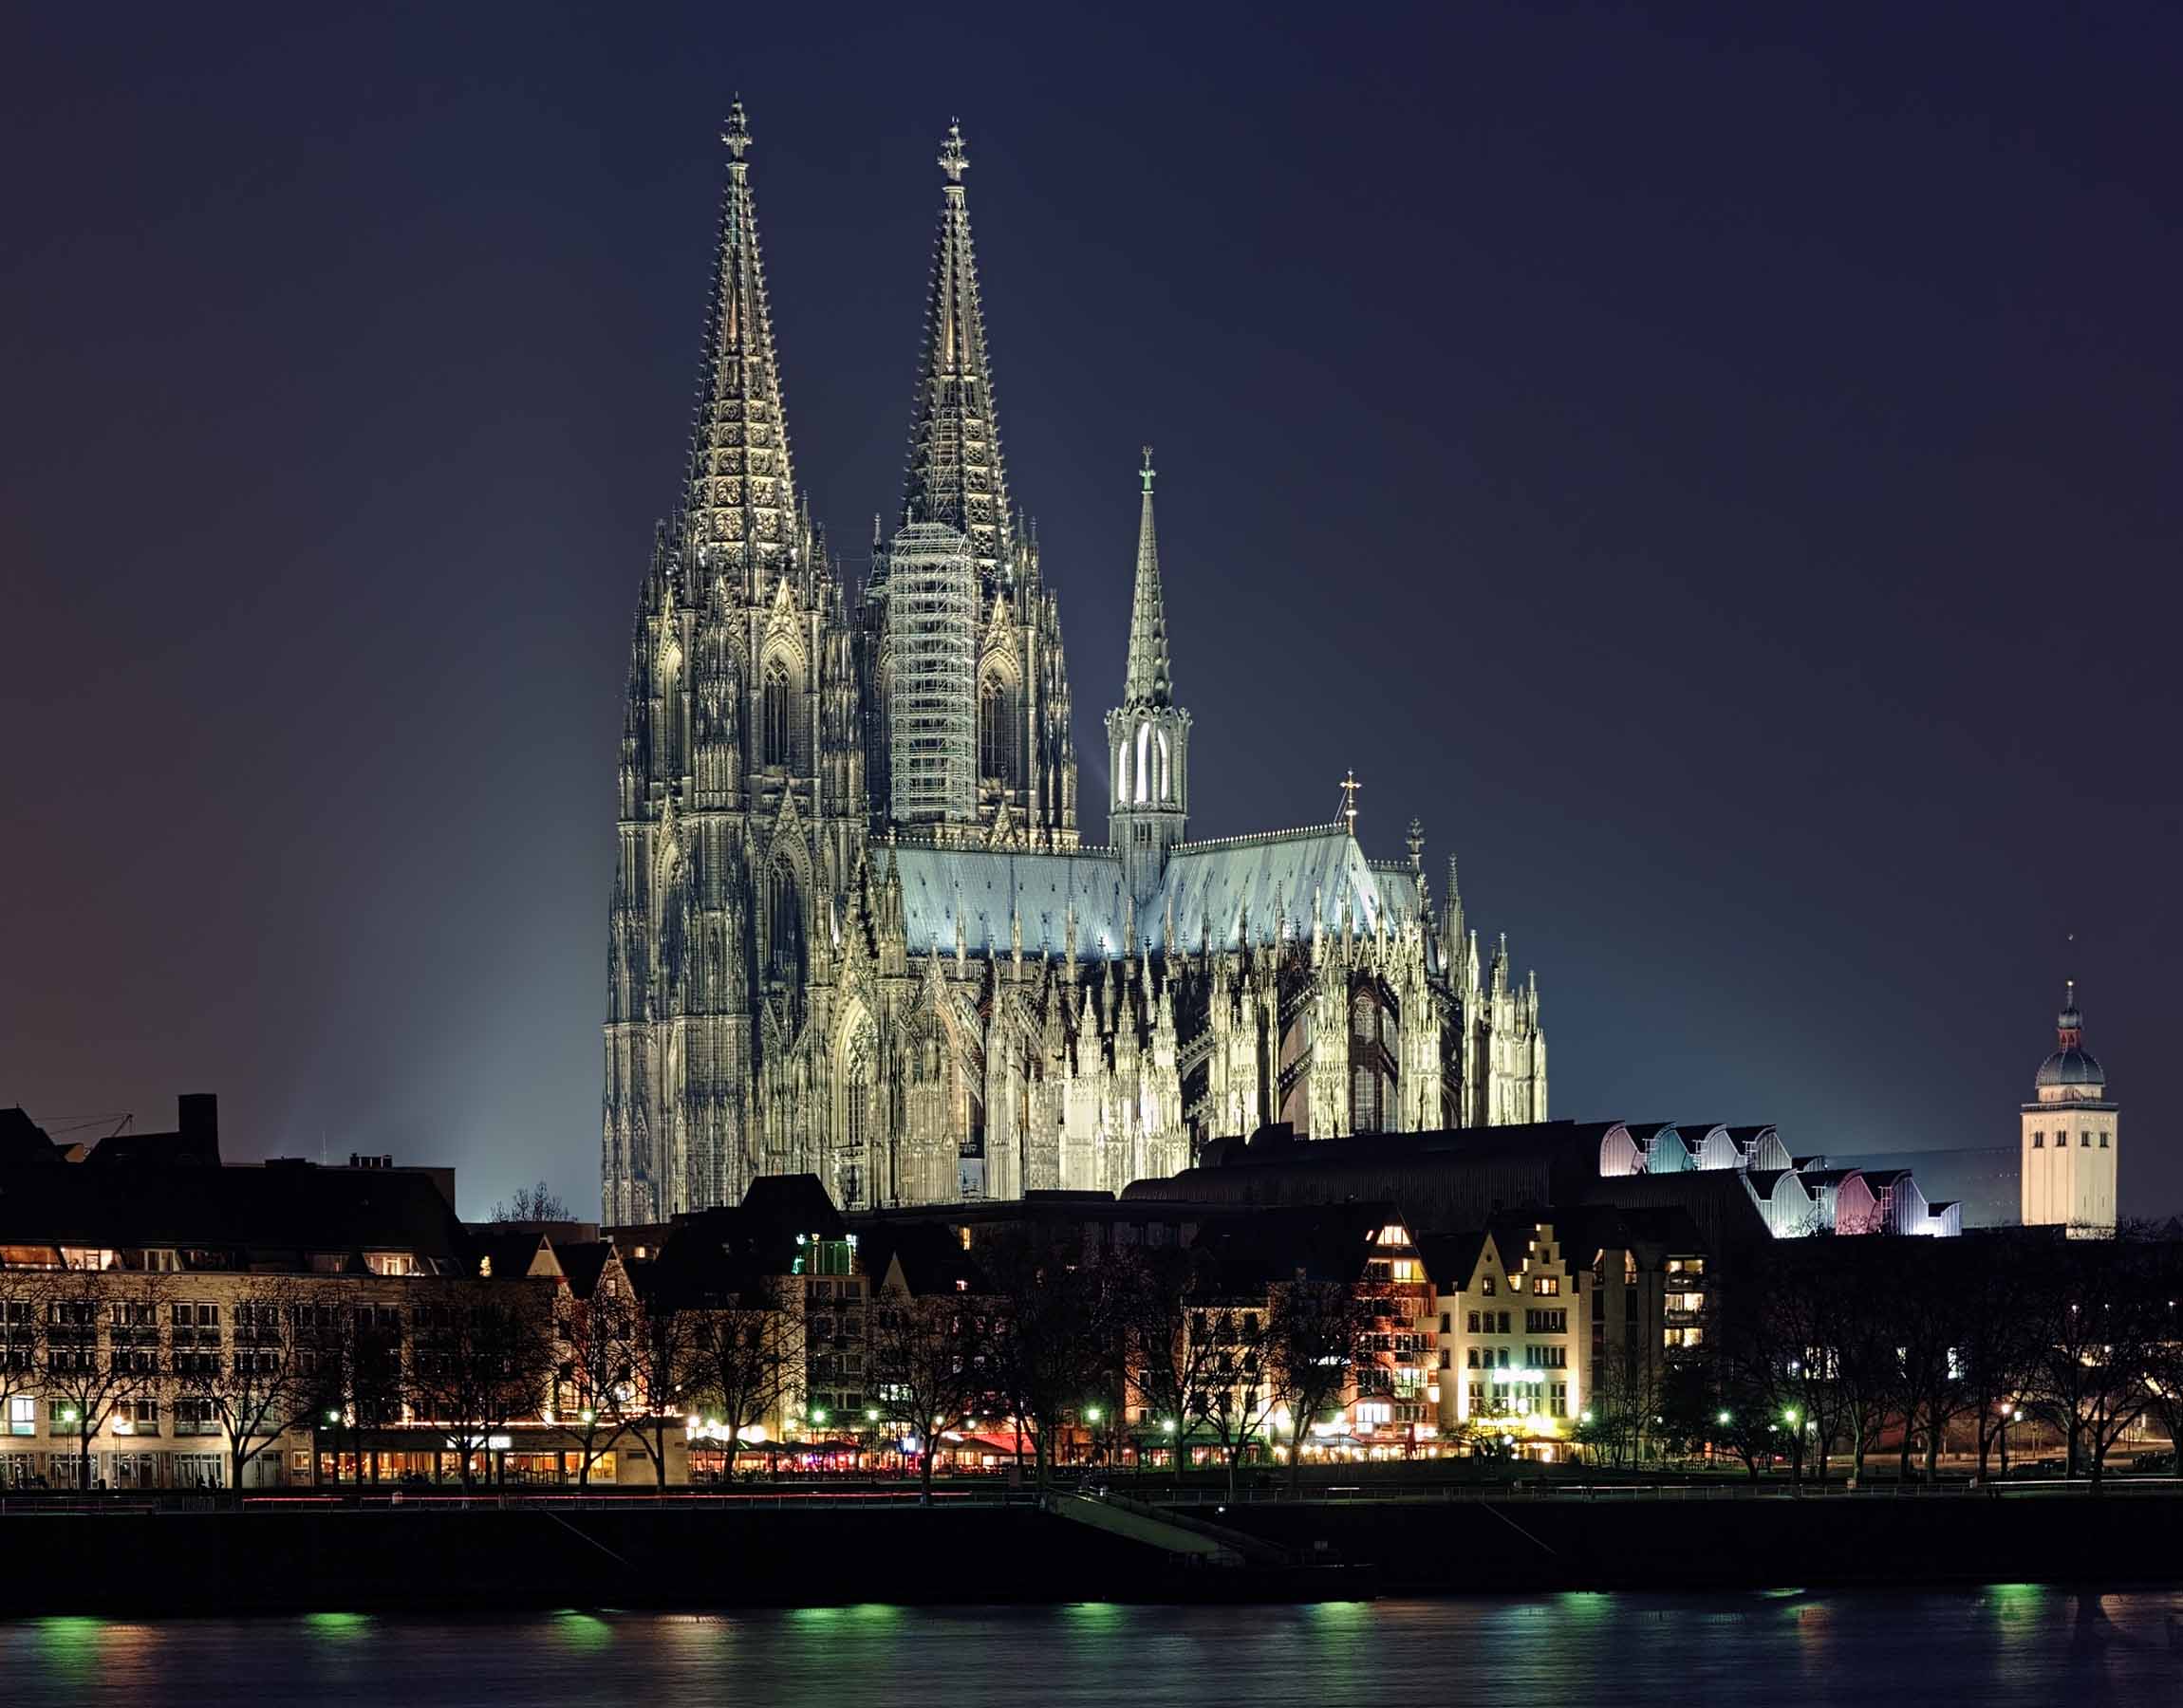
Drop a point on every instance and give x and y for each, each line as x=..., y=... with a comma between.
x=855, y=930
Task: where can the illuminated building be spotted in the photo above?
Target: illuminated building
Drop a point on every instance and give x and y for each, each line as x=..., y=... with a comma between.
x=1515, y=1337
x=854, y=930
x=2069, y=1146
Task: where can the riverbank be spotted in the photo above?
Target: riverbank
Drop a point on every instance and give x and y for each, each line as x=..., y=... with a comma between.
x=662, y=1555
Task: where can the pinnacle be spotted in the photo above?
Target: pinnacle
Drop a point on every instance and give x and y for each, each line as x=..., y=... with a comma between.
x=956, y=472
x=1148, y=681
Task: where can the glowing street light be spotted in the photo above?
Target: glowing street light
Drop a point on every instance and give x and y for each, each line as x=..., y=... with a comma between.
x=871, y=1414
x=1724, y=1418
x=1090, y=1414
x=818, y=1415
x=1167, y=1426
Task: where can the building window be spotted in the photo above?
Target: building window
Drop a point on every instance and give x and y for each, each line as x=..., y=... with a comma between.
x=996, y=733
x=2038, y=1142
x=22, y=1415
x=784, y=928
x=1486, y=1286
x=1474, y=1322
x=2103, y=1142
x=1546, y=1284
x=2085, y=1140
x=774, y=723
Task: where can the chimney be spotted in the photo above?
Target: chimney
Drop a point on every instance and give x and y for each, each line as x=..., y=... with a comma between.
x=199, y=1125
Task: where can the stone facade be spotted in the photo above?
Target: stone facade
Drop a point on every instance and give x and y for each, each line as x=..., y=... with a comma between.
x=967, y=1002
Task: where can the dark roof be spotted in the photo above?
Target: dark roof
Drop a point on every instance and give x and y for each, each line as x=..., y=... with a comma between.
x=24, y=1142
x=582, y=1262
x=796, y=1203
x=930, y=1253
x=1715, y=1202
x=278, y=1214
x=512, y=1248
x=1320, y=1242
x=1449, y=1177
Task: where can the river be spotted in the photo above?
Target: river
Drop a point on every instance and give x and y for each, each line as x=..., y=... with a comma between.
x=1995, y=1647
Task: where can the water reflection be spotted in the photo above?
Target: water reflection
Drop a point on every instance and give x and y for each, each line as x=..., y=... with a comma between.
x=2007, y=1644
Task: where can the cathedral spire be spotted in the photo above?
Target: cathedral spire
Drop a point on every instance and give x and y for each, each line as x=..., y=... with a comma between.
x=956, y=472
x=742, y=500
x=1148, y=681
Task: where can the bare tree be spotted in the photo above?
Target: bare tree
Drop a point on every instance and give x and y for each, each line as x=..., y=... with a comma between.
x=662, y=1345
x=1054, y=1315
x=255, y=1389
x=24, y=1296
x=1315, y=1336
x=349, y=1366
x=106, y=1347
x=2099, y=1335
x=539, y=1204
x=482, y=1358
x=930, y=1362
x=597, y=1398
x=1162, y=1363
x=746, y=1356
x=1237, y=1392
x=1997, y=1307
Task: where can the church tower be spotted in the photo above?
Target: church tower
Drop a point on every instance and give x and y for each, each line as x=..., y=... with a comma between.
x=2069, y=1152
x=1147, y=734
x=741, y=800
x=991, y=719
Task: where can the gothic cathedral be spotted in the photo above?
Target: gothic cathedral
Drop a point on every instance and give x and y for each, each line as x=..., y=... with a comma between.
x=854, y=931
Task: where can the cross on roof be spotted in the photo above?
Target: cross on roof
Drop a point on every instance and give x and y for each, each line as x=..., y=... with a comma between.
x=1349, y=786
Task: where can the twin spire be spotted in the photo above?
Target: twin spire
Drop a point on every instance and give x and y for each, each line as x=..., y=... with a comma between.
x=741, y=503
x=956, y=475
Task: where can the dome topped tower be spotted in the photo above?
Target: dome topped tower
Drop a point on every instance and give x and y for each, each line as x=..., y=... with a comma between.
x=2069, y=1136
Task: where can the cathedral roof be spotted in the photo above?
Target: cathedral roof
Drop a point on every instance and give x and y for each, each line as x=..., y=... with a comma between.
x=988, y=888
x=1258, y=881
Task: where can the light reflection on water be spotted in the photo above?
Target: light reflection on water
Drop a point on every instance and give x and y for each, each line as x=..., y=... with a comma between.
x=2006, y=1644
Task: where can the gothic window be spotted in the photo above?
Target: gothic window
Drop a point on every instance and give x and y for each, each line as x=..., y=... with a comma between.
x=996, y=733
x=1364, y=1101
x=784, y=929
x=775, y=721
x=857, y=1124
x=1368, y=1083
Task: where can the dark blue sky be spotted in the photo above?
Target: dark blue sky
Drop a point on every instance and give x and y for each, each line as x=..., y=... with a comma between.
x=1718, y=466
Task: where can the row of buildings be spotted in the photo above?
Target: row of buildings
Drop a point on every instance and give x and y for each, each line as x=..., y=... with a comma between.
x=1519, y=1277
x=151, y=1294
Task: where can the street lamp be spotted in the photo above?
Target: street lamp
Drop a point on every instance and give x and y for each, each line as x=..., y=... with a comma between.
x=1723, y=1419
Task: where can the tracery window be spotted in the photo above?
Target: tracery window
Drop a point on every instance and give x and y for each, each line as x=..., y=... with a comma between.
x=784, y=929
x=996, y=733
x=775, y=721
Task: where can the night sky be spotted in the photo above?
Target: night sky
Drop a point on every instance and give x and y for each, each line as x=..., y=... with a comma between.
x=1721, y=468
